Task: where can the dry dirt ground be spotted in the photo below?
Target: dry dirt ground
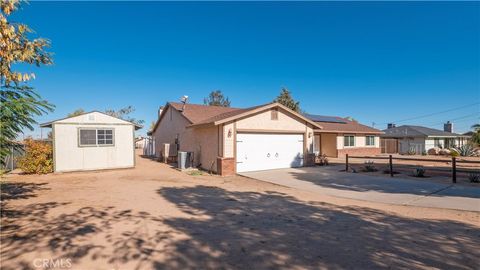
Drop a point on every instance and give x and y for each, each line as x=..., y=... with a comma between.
x=154, y=217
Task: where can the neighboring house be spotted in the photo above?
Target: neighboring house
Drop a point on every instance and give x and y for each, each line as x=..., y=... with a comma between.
x=140, y=142
x=230, y=140
x=92, y=141
x=419, y=139
x=339, y=136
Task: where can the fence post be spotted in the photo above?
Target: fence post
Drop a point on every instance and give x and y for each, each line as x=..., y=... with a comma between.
x=454, y=170
x=391, y=165
x=346, y=162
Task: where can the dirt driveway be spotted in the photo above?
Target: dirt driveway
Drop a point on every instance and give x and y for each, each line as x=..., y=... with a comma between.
x=153, y=217
x=330, y=180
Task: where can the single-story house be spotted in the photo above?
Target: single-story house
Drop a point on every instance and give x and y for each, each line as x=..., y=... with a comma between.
x=230, y=140
x=92, y=141
x=340, y=136
x=419, y=139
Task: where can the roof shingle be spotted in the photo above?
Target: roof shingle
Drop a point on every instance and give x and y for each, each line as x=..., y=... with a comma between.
x=416, y=131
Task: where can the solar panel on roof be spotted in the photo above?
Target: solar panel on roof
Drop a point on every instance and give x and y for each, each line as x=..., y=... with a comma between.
x=322, y=118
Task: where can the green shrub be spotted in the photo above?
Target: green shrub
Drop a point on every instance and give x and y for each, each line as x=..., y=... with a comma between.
x=38, y=158
x=466, y=150
x=474, y=177
x=419, y=172
x=369, y=166
x=411, y=151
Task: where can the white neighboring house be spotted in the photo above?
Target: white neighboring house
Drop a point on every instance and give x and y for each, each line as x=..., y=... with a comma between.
x=420, y=139
x=92, y=141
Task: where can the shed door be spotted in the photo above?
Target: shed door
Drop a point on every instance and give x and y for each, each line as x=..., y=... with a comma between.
x=257, y=152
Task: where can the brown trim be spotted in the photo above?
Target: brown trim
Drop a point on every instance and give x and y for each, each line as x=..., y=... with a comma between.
x=269, y=131
x=49, y=124
x=235, y=145
x=134, y=148
x=94, y=124
x=54, y=146
x=346, y=131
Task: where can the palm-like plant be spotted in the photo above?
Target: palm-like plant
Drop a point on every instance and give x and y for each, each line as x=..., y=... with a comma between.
x=476, y=134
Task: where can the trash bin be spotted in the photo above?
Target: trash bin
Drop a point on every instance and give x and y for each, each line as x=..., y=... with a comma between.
x=184, y=160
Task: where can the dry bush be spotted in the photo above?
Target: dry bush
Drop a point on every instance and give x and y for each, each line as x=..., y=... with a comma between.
x=38, y=158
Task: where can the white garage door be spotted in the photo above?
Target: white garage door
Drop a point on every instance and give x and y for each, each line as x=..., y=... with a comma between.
x=257, y=152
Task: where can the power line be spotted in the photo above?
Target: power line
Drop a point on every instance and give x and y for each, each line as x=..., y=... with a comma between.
x=432, y=114
x=465, y=117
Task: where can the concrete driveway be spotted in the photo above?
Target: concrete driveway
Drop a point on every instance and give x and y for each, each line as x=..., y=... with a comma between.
x=330, y=181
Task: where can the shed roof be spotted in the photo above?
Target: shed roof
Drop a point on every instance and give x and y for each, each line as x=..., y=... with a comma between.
x=49, y=124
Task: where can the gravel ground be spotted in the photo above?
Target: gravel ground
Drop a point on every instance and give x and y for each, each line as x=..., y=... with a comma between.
x=154, y=217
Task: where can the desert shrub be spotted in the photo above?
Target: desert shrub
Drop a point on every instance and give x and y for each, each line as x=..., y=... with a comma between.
x=474, y=177
x=454, y=153
x=419, y=172
x=467, y=150
x=38, y=157
x=424, y=153
x=369, y=166
x=411, y=151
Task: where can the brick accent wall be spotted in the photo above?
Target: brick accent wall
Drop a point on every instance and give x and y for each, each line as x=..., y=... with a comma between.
x=310, y=159
x=359, y=151
x=225, y=166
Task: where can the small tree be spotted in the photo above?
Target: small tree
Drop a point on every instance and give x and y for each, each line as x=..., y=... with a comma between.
x=123, y=113
x=19, y=102
x=286, y=99
x=216, y=98
x=38, y=157
x=77, y=112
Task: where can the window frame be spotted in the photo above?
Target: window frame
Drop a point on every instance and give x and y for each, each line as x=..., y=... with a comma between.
x=366, y=140
x=96, y=137
x=344, y=140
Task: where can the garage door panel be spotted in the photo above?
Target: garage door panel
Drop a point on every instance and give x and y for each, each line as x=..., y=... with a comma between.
x=268, y=151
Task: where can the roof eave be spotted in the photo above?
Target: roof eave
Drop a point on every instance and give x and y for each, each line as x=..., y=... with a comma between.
x=346, y=131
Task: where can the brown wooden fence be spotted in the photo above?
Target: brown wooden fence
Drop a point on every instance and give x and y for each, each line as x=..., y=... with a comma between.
x=454, y=163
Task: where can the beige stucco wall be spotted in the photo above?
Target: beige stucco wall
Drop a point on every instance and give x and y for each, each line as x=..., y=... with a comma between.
x=172, y=124
x=203, y=142
x=262, y=122
x=360, y=141
x=69, y=156
x=228, y=142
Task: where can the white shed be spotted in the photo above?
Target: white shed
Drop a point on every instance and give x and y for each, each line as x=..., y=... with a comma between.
x=92, y=141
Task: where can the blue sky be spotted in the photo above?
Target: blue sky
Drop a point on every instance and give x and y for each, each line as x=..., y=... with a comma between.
x=376, y=61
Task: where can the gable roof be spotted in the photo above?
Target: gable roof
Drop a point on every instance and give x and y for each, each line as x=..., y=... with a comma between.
x=340, y=125
x=202, y=115
x=417, y=131
x=49, y=124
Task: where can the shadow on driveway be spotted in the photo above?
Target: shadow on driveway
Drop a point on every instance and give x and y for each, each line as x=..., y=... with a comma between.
x=221, y=229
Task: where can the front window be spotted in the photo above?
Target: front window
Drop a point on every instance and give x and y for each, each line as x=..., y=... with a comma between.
x=96, y=137
x=370, y=140
x=349, y=140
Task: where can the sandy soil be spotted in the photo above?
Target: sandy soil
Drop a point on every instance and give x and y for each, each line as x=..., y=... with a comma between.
x=154, y=217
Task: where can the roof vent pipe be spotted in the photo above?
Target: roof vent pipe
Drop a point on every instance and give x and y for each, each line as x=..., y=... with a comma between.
x=160, y=111
x=184, y=101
